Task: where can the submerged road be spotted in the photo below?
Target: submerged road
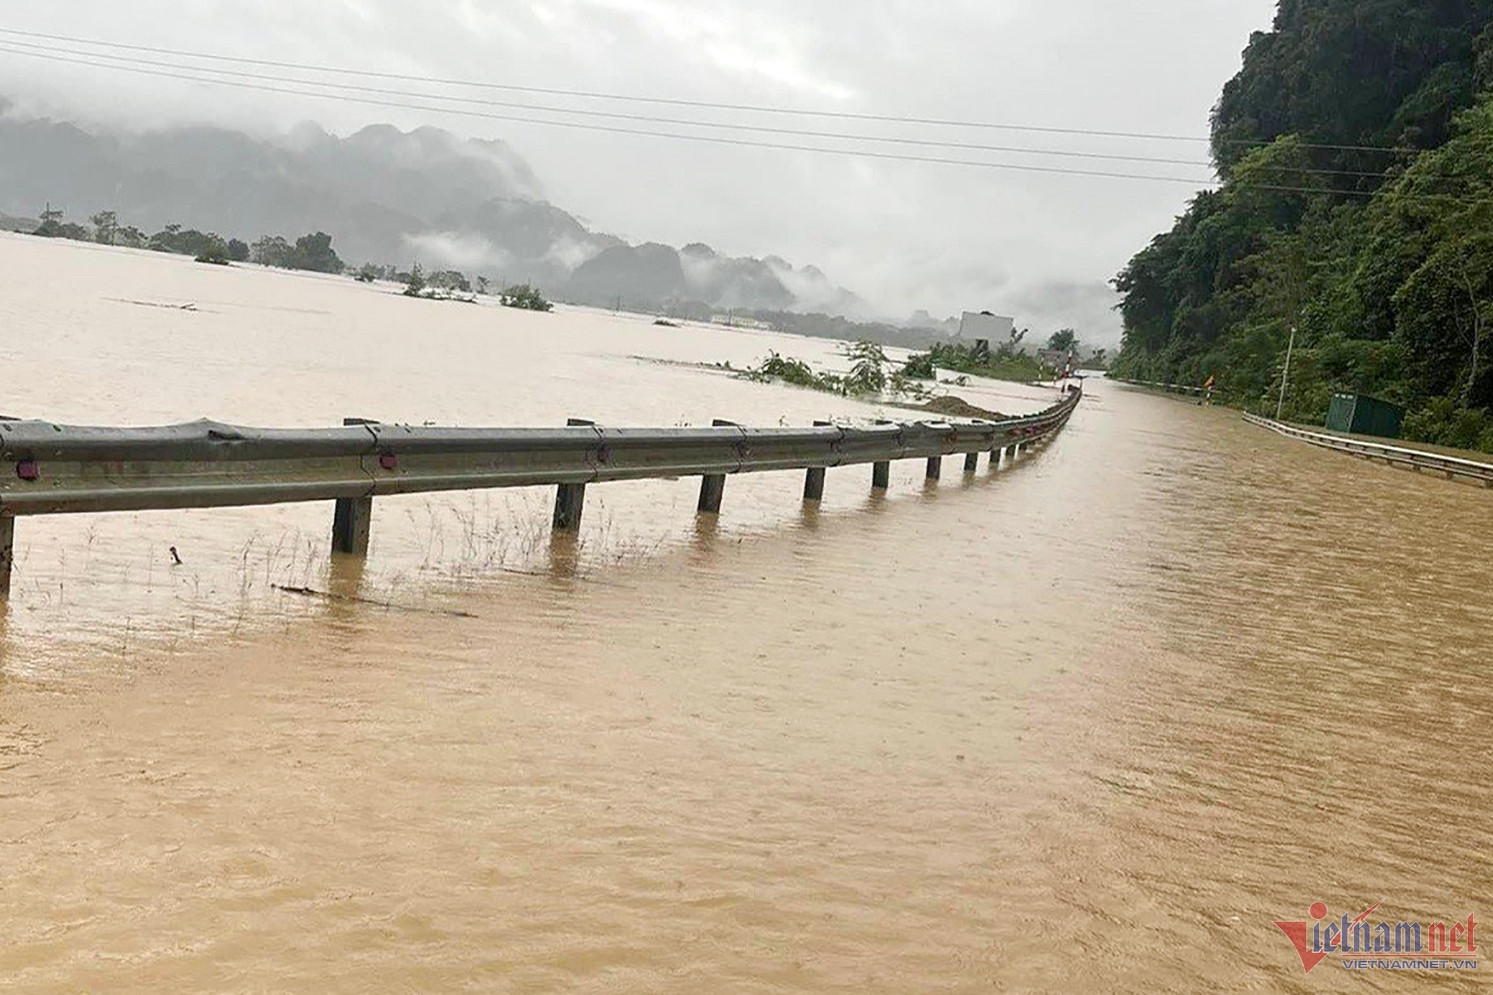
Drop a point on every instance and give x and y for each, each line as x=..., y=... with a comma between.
x=1094, y=722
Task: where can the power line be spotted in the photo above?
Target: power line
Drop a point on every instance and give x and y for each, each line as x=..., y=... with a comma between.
x=613, y=115
x=130, y=62
x=651, y=119
x=597, y=95
x=709, y=139
x=680, y=102
x=586, y=126
x=719, y=140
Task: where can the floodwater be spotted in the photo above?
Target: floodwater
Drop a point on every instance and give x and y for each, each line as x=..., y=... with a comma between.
x=1091, y=722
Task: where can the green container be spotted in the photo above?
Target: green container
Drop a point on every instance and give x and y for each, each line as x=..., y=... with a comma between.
x=1359, y=414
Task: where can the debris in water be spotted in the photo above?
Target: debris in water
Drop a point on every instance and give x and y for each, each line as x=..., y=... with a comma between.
x=960, y=408
x=189, y=306
x=310, y=592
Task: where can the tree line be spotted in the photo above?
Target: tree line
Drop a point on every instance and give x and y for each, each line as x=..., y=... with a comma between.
x=312, y=252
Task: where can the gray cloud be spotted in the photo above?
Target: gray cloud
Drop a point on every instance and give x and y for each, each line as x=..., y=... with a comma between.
x=902, y=235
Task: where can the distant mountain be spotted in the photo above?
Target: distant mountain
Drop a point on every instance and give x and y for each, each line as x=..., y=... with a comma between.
x=386, y=196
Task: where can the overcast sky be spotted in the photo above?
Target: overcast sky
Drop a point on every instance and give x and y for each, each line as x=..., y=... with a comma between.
x=904, y=235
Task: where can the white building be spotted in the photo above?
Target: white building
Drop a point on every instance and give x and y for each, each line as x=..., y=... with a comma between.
x=987, y=326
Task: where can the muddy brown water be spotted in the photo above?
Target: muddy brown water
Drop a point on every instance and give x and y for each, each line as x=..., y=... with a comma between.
x=1089, y=723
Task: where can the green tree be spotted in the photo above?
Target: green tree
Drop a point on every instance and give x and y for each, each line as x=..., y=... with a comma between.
x=1064, y=340
x=271, y=250
x=105, y=227
x=450, y=279
x=188, y=242
x=53, y=226
x=314, y=252
x=214, y=251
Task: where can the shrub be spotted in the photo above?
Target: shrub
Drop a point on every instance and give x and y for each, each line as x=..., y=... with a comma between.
x=526, y=297
x=1443, y=423
x=793, y=371
x=919, y=367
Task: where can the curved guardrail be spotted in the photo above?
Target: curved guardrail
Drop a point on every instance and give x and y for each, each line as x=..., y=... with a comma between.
x=50, y=469
x=1418, y=459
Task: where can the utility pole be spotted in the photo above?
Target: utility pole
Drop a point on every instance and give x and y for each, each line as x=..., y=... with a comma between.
x=1285, y=375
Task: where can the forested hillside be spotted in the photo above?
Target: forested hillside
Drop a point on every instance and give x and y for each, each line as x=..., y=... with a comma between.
x=1356, y=148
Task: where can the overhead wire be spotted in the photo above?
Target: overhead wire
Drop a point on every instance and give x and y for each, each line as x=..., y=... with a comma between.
x=674, y=101
x=588, y=126
x=350, y=92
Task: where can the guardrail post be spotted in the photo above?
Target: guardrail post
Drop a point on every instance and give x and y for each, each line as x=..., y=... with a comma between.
x=881, y=473
x=353, y=517
x=570, y=499
x=935, y=467
x=7, y=552
x=713, y=485
x=814, y=478
x=971, y=462
x=350, y=525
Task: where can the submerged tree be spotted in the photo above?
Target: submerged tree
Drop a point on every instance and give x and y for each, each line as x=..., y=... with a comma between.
x=215, y=252
x=105, y=227
x=524, y=296
x=314, y=252
x=867, y=368
x=271, y=250
x=415, y=284
x=53, y=226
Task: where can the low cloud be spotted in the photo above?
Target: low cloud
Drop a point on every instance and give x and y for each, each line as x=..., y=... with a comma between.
x=458, y=250
x=570, y=253
x=1088, y=308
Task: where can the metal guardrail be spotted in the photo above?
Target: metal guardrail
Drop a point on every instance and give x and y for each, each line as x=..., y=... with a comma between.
x=1176, y=388
x=50, y=469
x=1417, y=459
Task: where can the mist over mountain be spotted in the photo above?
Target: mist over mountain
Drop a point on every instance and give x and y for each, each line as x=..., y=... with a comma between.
x=386, y=196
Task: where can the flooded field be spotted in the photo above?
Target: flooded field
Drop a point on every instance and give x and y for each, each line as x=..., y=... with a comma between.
x=1088, y=723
